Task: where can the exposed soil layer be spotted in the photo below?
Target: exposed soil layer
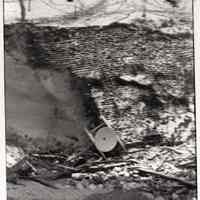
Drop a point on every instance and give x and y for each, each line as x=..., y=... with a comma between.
x=165, y=61
x=112, y=50
x=45, y=107
x=75, y=67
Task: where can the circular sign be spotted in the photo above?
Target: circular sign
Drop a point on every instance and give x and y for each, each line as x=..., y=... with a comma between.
x=105, y=139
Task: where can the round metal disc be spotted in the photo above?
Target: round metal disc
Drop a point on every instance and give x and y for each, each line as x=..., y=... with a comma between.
x=105, y=139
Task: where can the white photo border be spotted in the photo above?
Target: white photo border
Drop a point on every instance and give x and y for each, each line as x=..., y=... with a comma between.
x=196, y=18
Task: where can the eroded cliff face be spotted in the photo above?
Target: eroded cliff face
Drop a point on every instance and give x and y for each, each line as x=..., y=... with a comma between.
x=44, y=105
x=139, y=78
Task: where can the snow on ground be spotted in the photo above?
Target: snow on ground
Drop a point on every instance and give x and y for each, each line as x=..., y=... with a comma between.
x=46, y=8
x=93, y=12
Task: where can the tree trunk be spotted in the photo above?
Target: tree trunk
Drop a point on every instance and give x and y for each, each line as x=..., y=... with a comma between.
x=144, y=9
x=23, y=10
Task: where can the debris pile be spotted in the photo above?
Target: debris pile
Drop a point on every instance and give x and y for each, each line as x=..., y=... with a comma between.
x=144, y=165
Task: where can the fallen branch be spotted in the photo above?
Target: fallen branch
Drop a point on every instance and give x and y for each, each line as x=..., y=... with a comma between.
x=106, y=164
x=31, y=166
x=72, y=169
x=189, y=164
x=49, y=156
x=184, y=182
x=92, y=169
x=111, y=161
x=172, y=149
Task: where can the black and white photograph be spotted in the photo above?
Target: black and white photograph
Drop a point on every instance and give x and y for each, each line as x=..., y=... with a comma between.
x=100, y=100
